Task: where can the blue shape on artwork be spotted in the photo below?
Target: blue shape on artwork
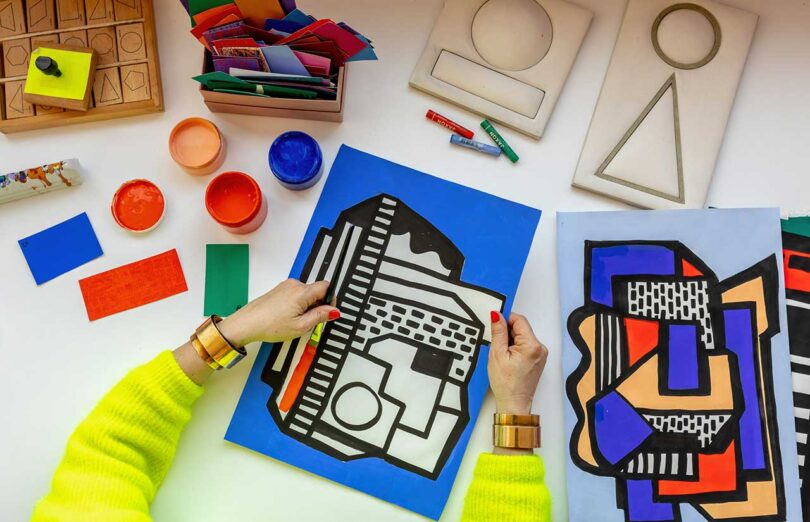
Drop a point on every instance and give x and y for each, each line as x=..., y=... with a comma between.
x=61, y=248
x=740, y=340
x=642, y=507
x=619, y=428
x=285, y=26
x=475, y=222
x=683, y=357
x=607, y=262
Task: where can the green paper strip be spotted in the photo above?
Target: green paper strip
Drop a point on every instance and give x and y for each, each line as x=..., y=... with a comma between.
x=798, y=225
x=226, y=278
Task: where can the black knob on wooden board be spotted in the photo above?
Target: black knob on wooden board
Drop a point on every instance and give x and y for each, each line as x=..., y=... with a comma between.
x=48, y=66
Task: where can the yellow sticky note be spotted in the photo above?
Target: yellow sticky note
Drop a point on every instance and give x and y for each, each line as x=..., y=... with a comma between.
x=75, y=69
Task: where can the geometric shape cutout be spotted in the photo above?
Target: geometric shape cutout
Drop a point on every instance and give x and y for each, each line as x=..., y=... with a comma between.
x=512, y=34
x=648, y=157
x=686, y=36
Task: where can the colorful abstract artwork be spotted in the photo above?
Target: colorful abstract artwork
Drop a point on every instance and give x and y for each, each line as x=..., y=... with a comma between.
x=796, y=245
x=673, y=373
x=384, y=398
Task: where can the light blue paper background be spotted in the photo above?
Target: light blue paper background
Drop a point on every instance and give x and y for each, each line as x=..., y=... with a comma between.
x=728, y=241
x=493, y=234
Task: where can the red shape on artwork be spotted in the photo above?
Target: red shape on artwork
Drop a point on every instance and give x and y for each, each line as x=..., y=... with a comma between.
x=716, y=473
x=642, y=337
x=689, y=269
x=796, y=279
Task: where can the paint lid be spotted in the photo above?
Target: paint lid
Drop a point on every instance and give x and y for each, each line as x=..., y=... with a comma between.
x=195, y=143
x=295, y=158
x=233, y=199
x=138, y=205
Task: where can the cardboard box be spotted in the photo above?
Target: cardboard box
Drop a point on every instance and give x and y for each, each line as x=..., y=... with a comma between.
x=322, y=110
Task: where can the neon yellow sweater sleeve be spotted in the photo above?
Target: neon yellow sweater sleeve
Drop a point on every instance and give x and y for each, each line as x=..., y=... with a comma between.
x=508, y=489
x=117, y=458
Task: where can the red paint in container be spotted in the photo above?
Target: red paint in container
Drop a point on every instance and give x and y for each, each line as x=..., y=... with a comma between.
x=236, y=202
x=138, y=206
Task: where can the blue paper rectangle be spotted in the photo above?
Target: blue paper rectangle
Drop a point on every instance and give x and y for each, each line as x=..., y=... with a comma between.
x=285, y=26
x=60, y=248
x=282, y=60
x=300, y=17
x=493, y=235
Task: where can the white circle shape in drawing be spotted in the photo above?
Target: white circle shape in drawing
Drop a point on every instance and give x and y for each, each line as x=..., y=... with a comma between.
x=686, y=36
x=356, y=407
x=512, y=34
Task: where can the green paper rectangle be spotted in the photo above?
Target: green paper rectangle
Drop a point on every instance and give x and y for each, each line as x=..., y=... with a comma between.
x=226, y=278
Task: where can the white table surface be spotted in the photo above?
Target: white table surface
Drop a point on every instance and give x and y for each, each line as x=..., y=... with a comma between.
x=56, y=364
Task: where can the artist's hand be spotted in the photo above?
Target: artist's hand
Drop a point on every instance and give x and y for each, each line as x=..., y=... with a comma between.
x=514, y=367
x=287, y=311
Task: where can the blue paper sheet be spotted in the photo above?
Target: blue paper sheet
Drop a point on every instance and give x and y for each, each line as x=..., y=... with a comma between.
x=299, y=17
x=484, y=240
x=282, y=60
x=284, y=26
x=61, y=248
x=664, y=314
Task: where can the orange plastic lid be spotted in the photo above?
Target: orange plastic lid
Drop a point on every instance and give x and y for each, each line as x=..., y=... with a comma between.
x=138, y=205
x=233, y=199
x=195, y=143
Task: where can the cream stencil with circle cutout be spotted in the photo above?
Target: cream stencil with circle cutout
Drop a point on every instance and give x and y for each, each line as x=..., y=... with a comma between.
x=512, y=34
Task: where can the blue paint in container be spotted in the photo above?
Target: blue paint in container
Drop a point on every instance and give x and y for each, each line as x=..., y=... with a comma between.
x=295, y=160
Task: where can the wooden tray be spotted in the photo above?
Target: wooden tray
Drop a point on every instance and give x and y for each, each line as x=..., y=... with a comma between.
x=127, y=81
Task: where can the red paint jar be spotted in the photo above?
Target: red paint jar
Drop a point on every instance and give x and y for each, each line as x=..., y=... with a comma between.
x=138, y=206
x=236, y=202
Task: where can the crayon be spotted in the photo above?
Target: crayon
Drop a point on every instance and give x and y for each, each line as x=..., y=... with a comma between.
x=450, y=124
x=455, y=139
x=496, y=137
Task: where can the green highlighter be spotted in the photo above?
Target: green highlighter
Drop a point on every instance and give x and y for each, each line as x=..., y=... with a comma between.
x=499, y=141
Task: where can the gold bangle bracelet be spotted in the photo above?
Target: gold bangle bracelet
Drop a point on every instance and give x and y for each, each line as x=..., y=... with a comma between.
x=507, y=419
x=213, y=348
x=204, y=355
x=516, y=437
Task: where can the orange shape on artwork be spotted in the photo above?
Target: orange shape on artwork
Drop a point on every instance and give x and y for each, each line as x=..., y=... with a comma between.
x=716, y=473
x=642, y=337
x=689, y=269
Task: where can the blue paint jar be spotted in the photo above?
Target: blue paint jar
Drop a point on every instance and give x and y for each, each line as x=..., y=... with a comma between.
x=295, y=160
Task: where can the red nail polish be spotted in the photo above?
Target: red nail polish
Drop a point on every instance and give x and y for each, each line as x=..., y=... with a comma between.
x=334, y=314
x=496, y=316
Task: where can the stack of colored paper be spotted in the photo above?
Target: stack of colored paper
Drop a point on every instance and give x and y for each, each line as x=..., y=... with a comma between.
x=270, y=48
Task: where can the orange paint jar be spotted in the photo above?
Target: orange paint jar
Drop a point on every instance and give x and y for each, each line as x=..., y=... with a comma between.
x=138, y=206
x=197, y=145
x=236, y=202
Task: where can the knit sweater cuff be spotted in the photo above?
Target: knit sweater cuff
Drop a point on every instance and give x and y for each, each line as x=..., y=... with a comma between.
x=167, y=375
x=510, y=468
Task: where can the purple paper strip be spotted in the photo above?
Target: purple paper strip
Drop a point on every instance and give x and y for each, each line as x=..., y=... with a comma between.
x=224, y=63
x=287, y=6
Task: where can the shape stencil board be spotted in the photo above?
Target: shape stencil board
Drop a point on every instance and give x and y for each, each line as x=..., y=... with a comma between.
x=122, y=34
x=796, y=244
x=387, y=402
x=505, y=59
x=678, y=385
x=662, y=113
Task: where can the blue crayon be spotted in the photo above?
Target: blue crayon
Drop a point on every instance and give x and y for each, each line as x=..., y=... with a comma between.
x=492, y=150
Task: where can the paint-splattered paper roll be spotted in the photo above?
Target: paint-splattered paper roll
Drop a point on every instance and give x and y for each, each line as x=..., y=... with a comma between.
x=40, y=179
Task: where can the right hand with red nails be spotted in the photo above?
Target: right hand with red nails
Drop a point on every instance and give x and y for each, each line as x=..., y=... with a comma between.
x=516, y=362
x=289, y=310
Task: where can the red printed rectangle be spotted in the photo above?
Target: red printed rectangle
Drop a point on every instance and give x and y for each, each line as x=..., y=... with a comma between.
x=133, y=285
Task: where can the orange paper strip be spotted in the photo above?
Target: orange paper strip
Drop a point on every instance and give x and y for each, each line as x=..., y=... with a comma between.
x=133, y=285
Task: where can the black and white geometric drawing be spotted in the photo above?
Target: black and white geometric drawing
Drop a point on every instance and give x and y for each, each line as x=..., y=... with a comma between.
x=389, y=377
